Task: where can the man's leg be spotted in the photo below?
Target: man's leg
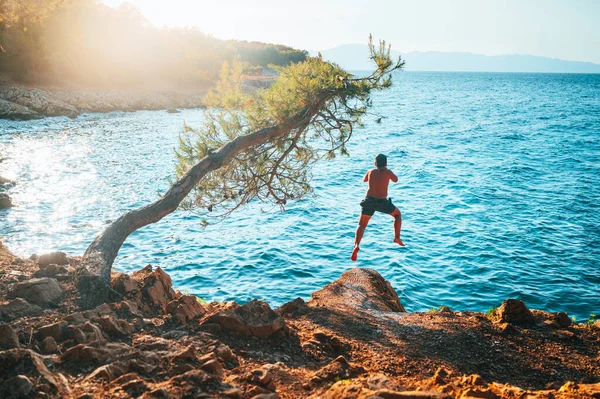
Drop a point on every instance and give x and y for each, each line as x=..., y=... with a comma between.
x=397, y=226
x=360, y=230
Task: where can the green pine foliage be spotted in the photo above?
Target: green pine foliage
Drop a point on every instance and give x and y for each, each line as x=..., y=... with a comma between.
x=317, y=103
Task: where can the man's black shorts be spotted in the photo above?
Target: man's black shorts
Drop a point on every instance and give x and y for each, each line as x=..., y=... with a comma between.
x=372, y=204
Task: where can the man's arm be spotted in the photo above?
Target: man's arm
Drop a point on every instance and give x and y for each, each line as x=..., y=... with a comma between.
x=393, y=177
x=366, y=178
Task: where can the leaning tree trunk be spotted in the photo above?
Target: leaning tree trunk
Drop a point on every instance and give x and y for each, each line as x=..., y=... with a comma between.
x=93, y=275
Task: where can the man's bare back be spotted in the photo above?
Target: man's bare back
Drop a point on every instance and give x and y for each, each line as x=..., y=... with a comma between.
x=379, y=180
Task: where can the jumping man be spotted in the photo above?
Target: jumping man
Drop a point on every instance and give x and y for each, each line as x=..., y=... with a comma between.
x=379, y=179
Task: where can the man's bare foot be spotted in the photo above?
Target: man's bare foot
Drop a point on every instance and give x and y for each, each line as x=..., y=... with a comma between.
x=398, y=241
x=355, y=253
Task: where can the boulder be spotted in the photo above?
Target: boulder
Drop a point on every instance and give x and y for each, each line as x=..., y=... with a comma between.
x=292, y=308
x=56, y=271
x=5, y=201
x=338, y=369
x=562, y=319
x=60, y=331
x=109, y=372
x=49, y=345
x=55, y=258
x=213, y=367
x=88, y=333
x=512, y=311
x=124, y=284
x=4, y=182
x=20, y=386
x=255, y=318
x=156, y=289
x=18, y=308
x=382, y=381
x=8, y=337
x=14, y=276
x=114, y=327
x=97, y=352
x=41, y=291
x=358, y=288
x=30, y=363
x=260, y=377
x=39, y=101
x=17, y=112
x=185, y=308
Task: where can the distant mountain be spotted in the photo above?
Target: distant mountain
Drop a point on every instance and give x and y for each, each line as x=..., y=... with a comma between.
x=355, y=57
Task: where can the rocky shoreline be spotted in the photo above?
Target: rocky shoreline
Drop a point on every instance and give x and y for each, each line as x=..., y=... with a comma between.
x=353, y=339
x=21, y=103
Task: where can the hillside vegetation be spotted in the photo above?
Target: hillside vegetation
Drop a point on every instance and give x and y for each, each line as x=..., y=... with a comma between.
x=88, y=43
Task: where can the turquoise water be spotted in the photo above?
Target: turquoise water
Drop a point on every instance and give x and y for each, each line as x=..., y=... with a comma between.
x=499, y=189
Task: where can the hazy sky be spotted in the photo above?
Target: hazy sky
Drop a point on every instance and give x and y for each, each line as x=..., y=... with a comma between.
x=567, y=29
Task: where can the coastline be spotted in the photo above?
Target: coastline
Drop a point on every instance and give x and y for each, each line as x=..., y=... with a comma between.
x=18, y=102
x=353, y=339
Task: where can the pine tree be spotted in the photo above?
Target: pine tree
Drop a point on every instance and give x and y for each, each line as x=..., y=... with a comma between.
x=252, y=147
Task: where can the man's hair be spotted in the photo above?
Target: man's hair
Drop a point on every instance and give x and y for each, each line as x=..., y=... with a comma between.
x=381, y=160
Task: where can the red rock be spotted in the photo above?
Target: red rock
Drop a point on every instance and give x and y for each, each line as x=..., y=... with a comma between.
x=295, y=307
x=128, y=309
x=213, y=367
x=272, y=395
x=185, y=308
x=159, y=393
x=188, y=353
x=97, y=353
x=113, y=326
x=124, y=284
x=196, y=377
x=229, y=321
x=439, y=378
x=339, y=369
x=512, y=311
x=254, y=318
x=223, y=352
x=102, y=310
x=156, y=289
x=412, y=395
x=30, y=363
x=131, y=383
x=260, y=377
x=473, y=380
x=88, y=333
x=482, y=393
x=234, y=393
x=382, y=381
x=360, y=288
x=562, y=319
x=109, y=372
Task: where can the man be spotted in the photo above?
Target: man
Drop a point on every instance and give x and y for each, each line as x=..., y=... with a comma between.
x=376, y=200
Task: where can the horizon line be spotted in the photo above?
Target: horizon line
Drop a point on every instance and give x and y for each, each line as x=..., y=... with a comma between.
x=460, y=52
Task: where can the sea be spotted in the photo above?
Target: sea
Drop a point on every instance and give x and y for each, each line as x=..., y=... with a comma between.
x=499, y=189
